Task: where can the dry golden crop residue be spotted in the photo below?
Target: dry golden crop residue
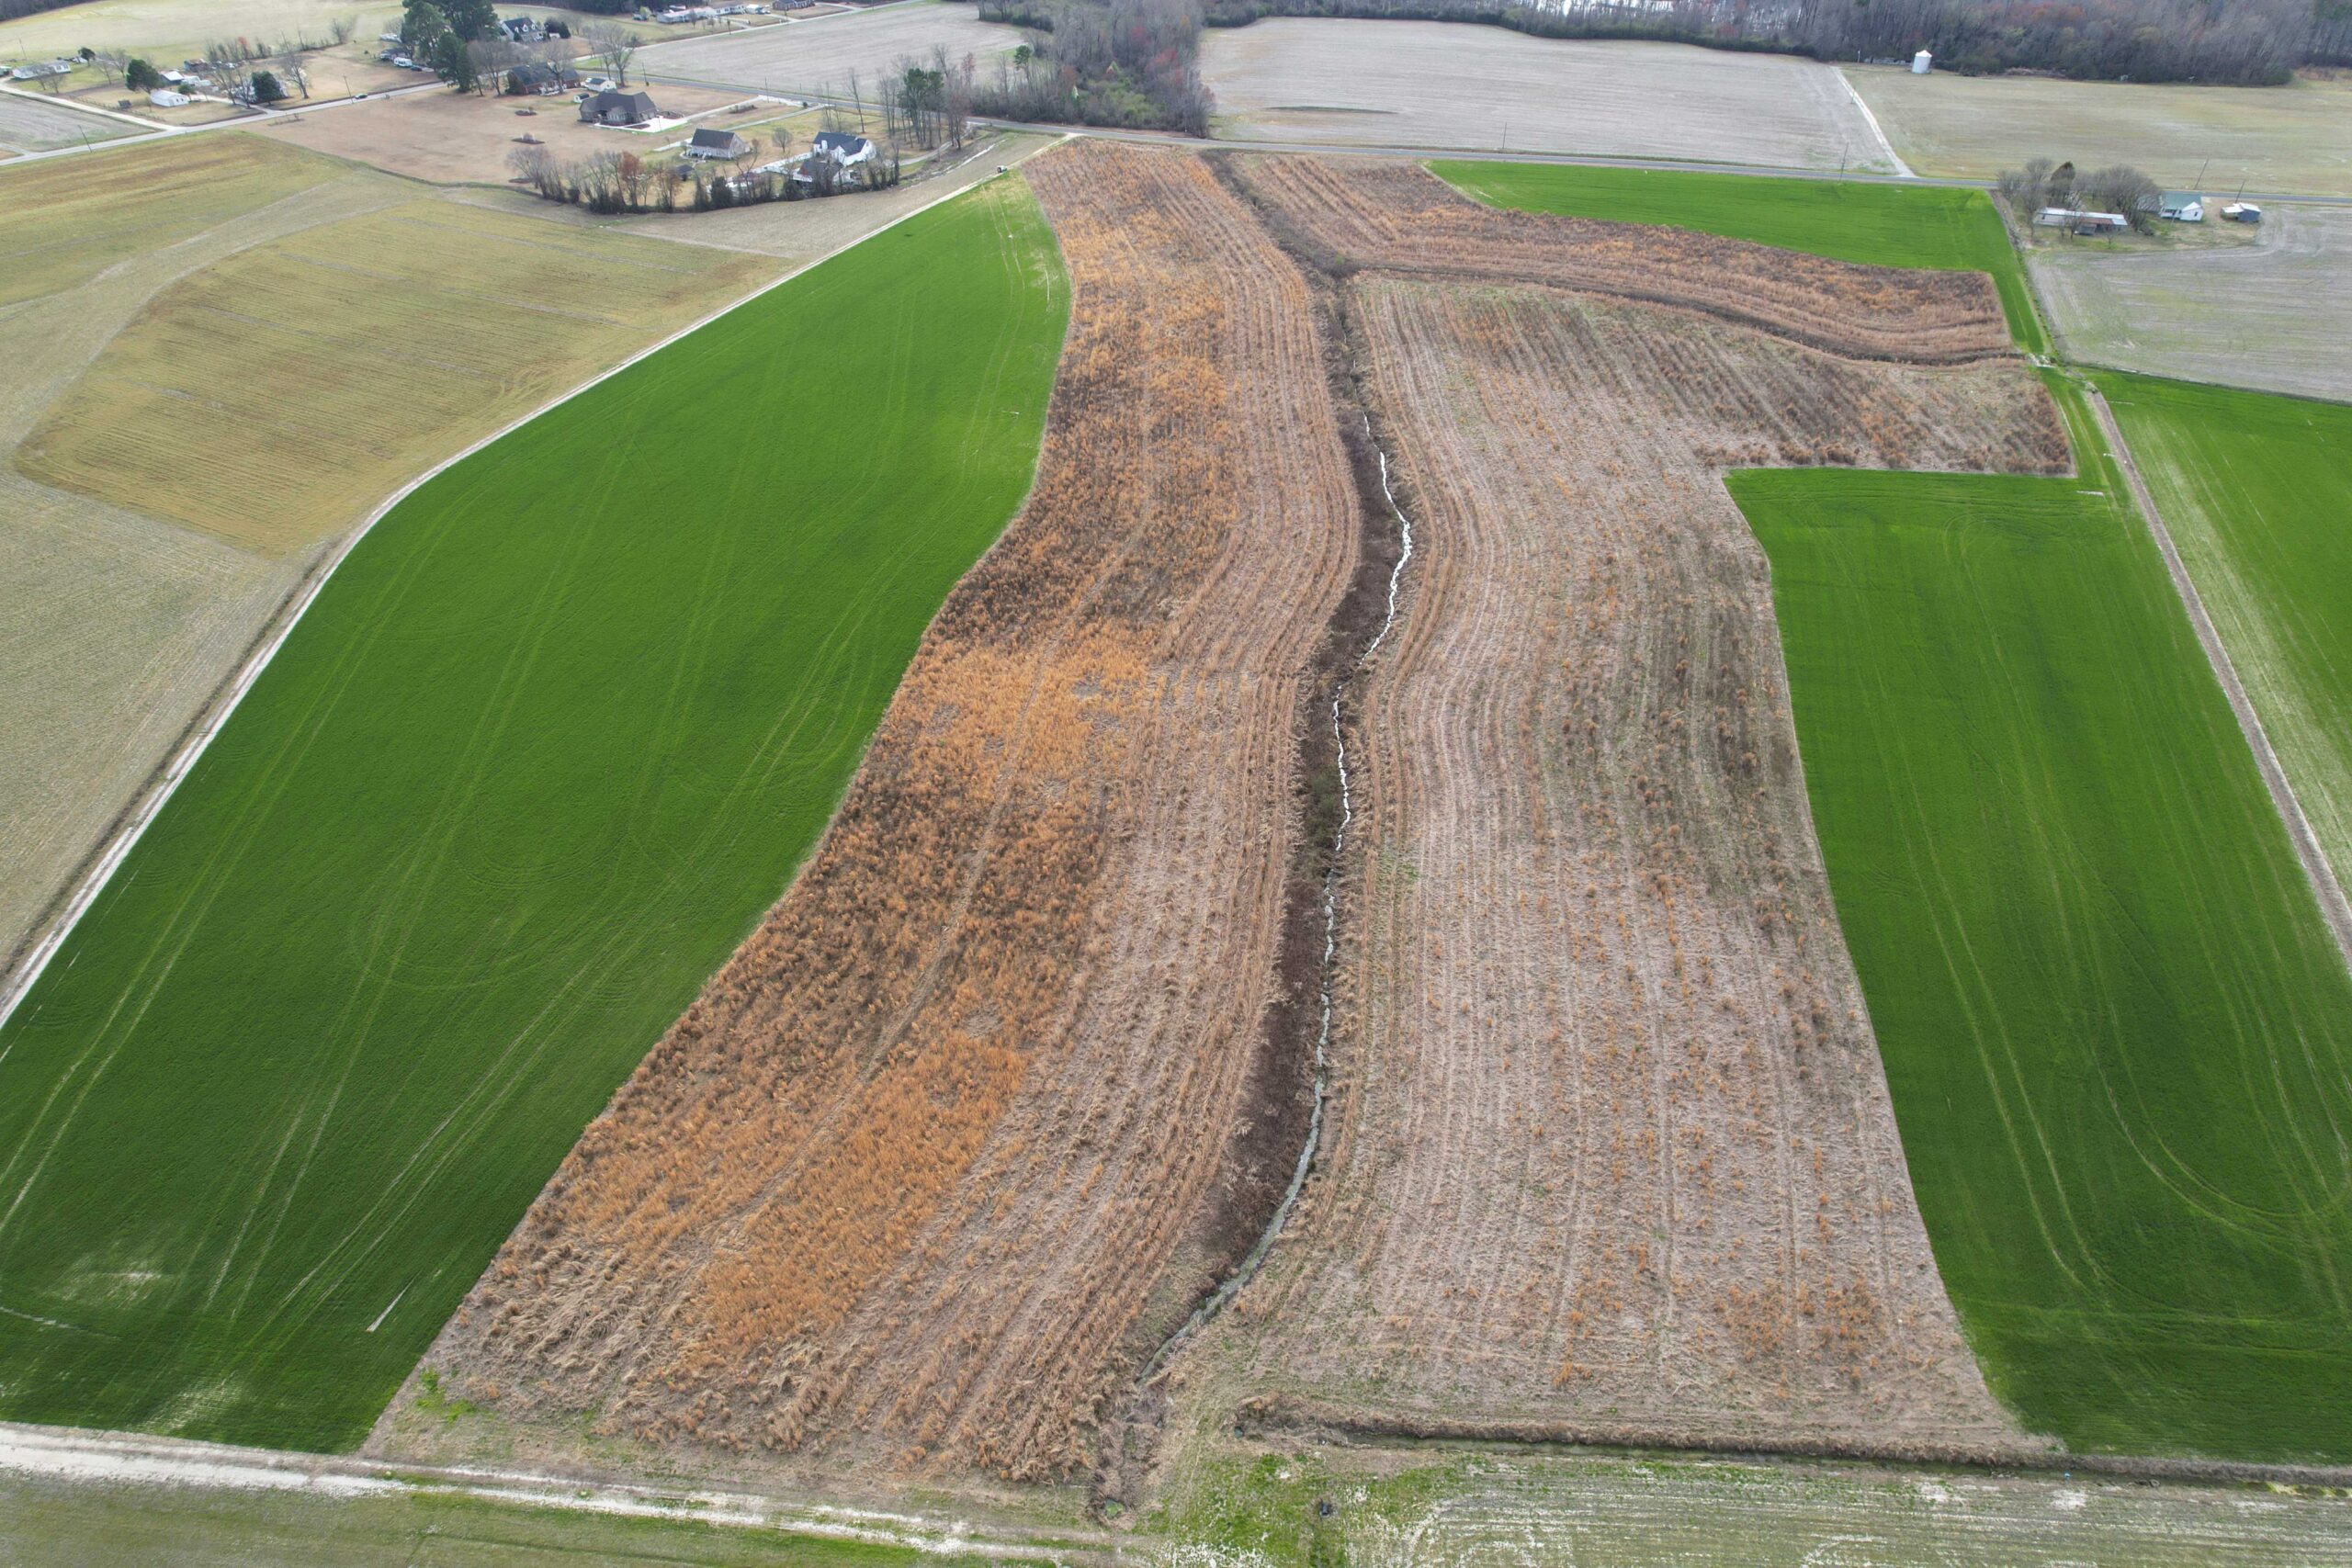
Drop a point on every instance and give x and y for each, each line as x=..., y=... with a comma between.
x=1612, y=1154
x=931, y=1166
x=1401, y=218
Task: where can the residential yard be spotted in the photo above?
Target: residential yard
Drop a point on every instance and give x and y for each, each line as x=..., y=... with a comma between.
x=2117, y=1031
x=2257, y=493
x=1880, y=225
x=1440, y=85
x=820, y=54
x=457, y=137
x=341, y=360
x=2271, y=310
x=2286, y=141
x=532, y=764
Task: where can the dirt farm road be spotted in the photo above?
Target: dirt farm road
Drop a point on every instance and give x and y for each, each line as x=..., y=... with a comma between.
x=2324, y=886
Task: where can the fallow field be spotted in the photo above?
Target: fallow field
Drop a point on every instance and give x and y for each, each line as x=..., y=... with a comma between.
x=2282, y=140
x=529, y=767
x=1612, y=1156
x=1391, y=84
x=820, y=54
x=31, y=124
x=2274, y=315
x=2117, y=1031
x=1012, y=1074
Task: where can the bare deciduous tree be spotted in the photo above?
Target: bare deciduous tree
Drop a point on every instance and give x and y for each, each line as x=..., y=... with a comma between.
x=616, y=44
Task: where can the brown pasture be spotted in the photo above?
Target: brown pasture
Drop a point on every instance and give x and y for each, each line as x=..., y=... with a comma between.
x=943, y=1153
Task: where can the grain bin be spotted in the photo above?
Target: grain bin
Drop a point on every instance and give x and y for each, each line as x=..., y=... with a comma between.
x=1920, y=62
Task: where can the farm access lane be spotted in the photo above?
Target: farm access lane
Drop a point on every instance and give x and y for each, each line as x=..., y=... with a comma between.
x=2324, y=888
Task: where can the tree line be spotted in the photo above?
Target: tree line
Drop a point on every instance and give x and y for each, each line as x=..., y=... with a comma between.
x=1125, y=63
x=614, y=183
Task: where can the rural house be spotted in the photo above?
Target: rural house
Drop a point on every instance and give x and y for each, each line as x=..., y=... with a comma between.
x=2181, y=207
x=712, y=142
x=617, y=108
x=2080, y=221
x=545, y=80
x=843, y=147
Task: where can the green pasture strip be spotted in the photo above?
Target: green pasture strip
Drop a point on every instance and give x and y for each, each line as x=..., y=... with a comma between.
x=2117, y=1031
x=1940, y=227
x=552, y=738
x=2257, y=491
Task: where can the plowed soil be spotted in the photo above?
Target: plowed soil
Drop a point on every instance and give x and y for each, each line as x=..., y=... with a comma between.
x=1400, y=217
x=966, y=1125
x=1611, y=1152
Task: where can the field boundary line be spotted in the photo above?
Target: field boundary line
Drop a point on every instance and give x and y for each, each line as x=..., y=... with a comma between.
x=75, y=1455
x=1901, y=169
x=166, y=780
x=2324, y=886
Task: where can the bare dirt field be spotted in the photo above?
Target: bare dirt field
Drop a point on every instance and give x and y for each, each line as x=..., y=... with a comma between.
x=1611, y=1150
x=2274, y=315
x=337, y=362
x=2288, y=139
x=32, y=125
x=455, y=138
x=1451, y=85
x=995, y=1091
x=818, y=55
x=1398, y=218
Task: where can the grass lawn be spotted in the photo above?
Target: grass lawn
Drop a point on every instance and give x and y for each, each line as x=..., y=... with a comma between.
x=2118, y=1037
x=70, y=218
x=550, y=742
x=2257, y=492
x=1883, y=225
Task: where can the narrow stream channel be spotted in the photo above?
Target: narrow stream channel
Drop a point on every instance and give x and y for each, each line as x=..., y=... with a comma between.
x=1248, y=1268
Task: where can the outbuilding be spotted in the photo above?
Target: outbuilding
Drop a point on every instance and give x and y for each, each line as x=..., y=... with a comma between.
x=2181, y=207
x=2242, y=212
x=1922, y=63
x=2079, y=222
x=712, y=142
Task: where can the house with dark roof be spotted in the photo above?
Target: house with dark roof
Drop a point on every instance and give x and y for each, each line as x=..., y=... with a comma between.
x=539, y=77
x=617, y=108
x=843, y=147
x=712, y=142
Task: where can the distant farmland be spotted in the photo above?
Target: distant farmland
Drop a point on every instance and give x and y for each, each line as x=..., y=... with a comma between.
x=2117, y=1032
x=534, y=762
x=2257, y=493
x=1880, y=225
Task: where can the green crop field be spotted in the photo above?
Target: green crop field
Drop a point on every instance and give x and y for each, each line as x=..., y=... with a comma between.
x=1882, y=225
x=552, y=738
x=2117, y=1034
x=2257, y=493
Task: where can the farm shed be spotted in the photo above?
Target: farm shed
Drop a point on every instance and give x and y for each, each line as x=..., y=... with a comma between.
x=2242, y=212
x=2181, y=207
x=710, y=143
x=618, y=108
x=164, y=99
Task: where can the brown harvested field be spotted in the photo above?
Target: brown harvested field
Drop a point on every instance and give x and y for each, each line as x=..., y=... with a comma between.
x=1332, y=81
x=459, y=139
x=1400, y=217
x=995, y=1091
x=1611, y=1152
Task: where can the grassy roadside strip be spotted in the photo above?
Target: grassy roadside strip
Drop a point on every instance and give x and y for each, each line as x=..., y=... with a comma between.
x=2118, y=1036
x=1880, y=225
x=2256, y=490
x=538, y=756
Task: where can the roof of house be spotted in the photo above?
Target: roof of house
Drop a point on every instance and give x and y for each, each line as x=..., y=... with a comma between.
x=2183, y=198
x=840, y=141
x=638, y=105
x=712, y=136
